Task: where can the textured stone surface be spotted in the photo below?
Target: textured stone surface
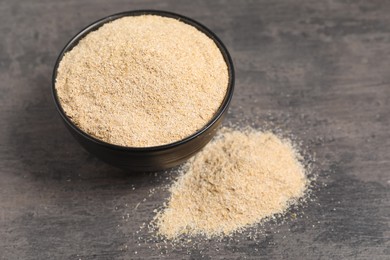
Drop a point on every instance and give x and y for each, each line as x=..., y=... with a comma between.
x=316, y=69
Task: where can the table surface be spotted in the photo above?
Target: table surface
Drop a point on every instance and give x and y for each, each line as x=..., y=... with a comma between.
x=315, y=70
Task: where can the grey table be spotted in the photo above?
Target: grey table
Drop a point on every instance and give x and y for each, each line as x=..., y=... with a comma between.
x=316, y=70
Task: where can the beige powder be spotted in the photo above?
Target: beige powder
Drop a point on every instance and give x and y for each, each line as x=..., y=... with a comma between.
x=235, y=181
x=142, y=81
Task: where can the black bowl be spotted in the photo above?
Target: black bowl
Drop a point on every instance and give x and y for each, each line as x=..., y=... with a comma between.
x=156, y=157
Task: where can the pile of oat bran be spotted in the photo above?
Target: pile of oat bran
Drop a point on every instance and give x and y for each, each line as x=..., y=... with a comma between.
x=237, y=180
x=142, y=81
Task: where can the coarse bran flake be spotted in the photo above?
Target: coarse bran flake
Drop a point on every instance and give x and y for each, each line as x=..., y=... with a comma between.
x=237, y=180
x=142, y=81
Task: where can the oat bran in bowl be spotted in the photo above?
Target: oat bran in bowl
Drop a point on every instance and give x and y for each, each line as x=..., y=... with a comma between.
x=143, y=90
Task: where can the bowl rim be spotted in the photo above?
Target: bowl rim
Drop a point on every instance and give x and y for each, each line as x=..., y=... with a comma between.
x=97, y=24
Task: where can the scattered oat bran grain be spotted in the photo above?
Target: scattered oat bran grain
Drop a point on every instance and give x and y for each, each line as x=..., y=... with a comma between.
x=237, y=180
x=142, y=81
